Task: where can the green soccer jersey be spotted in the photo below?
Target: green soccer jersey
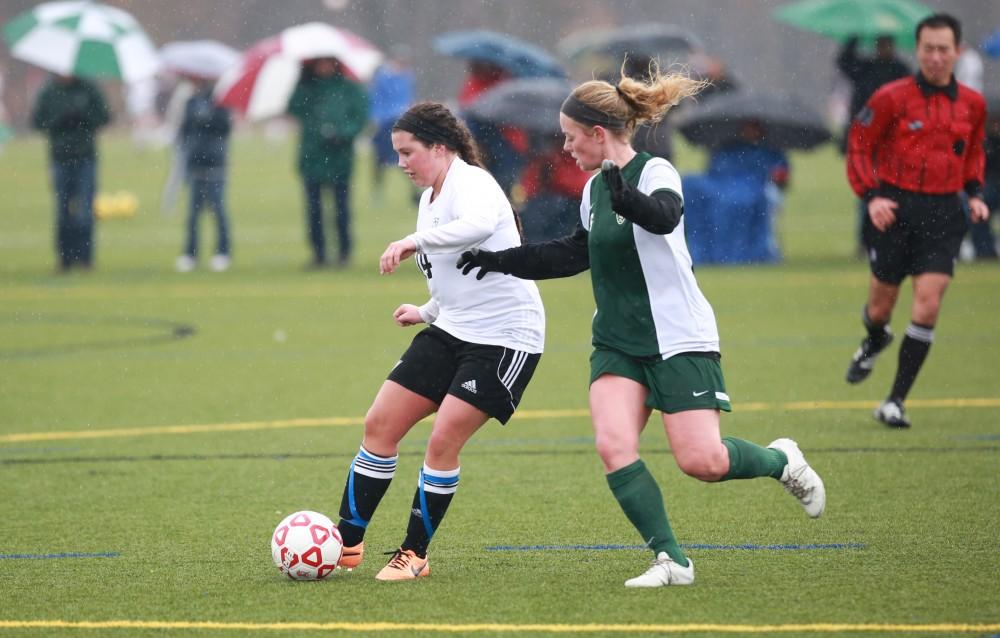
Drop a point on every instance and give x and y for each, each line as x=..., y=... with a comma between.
x=648, y=302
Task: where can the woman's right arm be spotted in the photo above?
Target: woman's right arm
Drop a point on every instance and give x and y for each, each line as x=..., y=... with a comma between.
x=562, y=257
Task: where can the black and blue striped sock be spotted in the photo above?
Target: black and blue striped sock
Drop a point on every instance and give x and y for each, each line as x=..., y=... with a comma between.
x=435, y=490
x=367, y=483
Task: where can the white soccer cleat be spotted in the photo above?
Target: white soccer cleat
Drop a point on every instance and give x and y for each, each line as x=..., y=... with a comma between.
x=800, y=480
x=219, y=263
x=664, y=571
x=185, y=263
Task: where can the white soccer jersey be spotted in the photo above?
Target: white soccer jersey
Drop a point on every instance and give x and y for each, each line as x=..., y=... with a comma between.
x=472, y=211
x=648, y=300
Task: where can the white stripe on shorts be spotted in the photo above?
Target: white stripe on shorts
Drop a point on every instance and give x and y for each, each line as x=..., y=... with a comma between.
x=514, y=369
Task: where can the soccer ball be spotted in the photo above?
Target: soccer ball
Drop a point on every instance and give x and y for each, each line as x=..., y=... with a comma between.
x=306, y=546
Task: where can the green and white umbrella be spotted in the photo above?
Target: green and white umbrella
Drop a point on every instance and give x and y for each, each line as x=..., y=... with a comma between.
x=84, y=39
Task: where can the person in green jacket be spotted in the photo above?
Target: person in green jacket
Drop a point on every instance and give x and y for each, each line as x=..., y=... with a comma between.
x=71, y=110
x=332, y=110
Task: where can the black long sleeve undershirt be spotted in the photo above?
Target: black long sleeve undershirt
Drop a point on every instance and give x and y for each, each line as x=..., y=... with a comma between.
x=658, y=213
x=563, y=257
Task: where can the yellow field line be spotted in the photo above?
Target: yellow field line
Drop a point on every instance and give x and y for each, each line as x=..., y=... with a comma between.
x=819, y=628
x=26, y=437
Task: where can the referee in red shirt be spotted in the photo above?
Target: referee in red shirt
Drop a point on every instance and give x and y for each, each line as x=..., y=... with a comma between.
x=916, y=144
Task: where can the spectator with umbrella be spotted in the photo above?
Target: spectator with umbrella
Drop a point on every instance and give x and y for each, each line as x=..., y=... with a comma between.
x=866, y=76
x=202, y=142
x=492, y=59
x=77, y=41
x=332, y=110
x=730, y=209
x=70, y=110
x=550, y=182
x=312, y=72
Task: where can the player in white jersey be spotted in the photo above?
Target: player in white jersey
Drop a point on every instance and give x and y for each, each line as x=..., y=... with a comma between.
x=471, y=363
x=654, y=334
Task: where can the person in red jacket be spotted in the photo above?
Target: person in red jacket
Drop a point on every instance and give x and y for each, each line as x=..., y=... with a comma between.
x=916, y=144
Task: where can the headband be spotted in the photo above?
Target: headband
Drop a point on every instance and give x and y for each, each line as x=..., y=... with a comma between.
x=586, y=114
x=427, y=131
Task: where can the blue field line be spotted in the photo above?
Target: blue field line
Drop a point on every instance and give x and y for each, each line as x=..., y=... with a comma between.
x=976, y=437
x=744, y=546
x=60, y=555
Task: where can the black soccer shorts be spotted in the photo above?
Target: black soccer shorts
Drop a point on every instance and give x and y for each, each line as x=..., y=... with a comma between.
x=925, y=238
x=491, y=378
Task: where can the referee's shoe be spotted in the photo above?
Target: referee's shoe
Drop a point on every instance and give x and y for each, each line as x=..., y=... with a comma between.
x=863, y=361
x=891, y=413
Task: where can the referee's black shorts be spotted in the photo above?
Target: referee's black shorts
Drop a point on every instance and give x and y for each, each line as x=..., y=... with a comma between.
x=925, y=238
x=491, y=378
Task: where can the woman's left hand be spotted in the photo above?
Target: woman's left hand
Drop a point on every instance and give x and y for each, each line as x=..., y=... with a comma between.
x=396, y=252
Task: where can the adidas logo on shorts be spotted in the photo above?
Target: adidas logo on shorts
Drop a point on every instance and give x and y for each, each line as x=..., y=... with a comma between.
x=470, y=386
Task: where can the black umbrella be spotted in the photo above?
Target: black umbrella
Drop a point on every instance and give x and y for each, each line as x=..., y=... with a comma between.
x=648, y=41
x=531, y=103
x=786, y=122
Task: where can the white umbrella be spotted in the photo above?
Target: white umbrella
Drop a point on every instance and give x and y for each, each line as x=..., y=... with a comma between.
x=201, y=58
x=84, y=39
x=262, y=84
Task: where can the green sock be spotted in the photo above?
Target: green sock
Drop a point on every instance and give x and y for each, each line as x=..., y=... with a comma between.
x=641, y=500
x=749, y=460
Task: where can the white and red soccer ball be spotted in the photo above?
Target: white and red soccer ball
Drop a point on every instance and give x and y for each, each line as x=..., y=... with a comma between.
x=306, y=546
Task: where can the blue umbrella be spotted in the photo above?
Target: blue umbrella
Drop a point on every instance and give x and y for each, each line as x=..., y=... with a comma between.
x=992, y=45
x=519, y=58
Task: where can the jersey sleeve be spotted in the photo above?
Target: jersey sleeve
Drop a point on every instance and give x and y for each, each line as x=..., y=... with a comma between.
x=658, y=175
x=477, y=207
x=429, y=311
x=973, y=173
x=869, y=129
x=585, y=204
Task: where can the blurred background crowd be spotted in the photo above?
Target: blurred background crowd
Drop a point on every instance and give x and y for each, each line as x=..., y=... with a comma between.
x=784, y=76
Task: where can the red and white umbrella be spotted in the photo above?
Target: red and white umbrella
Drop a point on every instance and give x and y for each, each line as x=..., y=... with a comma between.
x=262, y=84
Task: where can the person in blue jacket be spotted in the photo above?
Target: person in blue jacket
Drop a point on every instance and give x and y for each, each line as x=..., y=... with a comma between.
x=204, y=138
x=392, y=92
x=731, y=208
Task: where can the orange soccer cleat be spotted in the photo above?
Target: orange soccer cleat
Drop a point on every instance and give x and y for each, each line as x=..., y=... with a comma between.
x=405, y=565
x=352, y=557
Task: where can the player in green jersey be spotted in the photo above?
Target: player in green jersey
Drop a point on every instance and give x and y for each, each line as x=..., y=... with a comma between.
x=656, y=345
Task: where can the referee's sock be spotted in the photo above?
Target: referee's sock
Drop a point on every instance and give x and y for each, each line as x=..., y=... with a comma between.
x=912, y=353
x=879, y=335
x=367, y=482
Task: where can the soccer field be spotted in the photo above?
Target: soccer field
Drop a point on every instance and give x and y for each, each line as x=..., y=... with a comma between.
x=155, y=427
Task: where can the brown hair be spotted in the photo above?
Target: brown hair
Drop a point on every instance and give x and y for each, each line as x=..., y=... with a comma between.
x=635, y=101
x=432, y=123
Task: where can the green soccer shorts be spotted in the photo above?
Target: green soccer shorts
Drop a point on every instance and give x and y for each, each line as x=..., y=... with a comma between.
x=682, y=382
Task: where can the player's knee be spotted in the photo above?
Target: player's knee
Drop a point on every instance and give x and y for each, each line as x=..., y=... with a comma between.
x=704, y=465
x=925, y=310
x=442, y=451
x=613, y=450
x=379, y=436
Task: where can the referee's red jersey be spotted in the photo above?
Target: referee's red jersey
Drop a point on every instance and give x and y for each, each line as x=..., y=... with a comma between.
x=918, y=137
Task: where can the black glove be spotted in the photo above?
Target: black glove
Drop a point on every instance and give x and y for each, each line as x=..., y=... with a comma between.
x=622, y=193
x=485, y=260
x=658, y=213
